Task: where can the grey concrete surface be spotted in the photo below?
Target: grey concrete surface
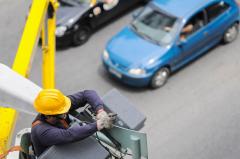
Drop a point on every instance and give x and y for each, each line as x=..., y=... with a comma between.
x=194, y=116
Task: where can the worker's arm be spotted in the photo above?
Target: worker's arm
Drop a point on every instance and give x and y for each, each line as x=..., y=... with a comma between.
x=50, y=135
x=80, y=99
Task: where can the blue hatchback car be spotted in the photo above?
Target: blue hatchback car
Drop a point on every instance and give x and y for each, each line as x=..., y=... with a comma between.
x=165, y=35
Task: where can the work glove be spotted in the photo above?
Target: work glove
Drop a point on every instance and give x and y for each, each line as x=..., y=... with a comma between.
x=101, y=114
x=105, y=119
x=100, y=125
x=104, y=123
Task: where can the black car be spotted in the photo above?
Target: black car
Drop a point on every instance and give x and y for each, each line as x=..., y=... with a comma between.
x=77, y=19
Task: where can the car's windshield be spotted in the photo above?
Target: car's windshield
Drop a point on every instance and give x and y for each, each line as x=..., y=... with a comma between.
x=155, y=26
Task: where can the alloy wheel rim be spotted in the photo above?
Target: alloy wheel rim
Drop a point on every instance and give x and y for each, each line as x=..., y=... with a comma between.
x=231, y=34
x=161, y=77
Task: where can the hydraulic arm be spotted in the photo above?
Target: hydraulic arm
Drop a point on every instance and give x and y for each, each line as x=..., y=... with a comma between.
x=41, y=21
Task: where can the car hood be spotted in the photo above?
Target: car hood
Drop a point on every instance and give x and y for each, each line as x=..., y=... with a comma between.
x=65, y=13
x=130, y=50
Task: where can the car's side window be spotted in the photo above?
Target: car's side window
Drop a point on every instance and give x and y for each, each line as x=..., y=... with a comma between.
x=194, y=24
x=216, y=9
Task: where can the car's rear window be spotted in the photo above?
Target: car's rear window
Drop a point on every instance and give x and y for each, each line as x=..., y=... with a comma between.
x=216, y=9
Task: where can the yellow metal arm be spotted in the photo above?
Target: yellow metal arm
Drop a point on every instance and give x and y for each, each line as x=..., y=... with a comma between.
x=93, y=2
x=42, y=17
x=30, y=36
x=49, y=46
x=7, y=123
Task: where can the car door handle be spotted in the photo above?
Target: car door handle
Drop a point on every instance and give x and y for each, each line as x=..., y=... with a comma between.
x=205, y=33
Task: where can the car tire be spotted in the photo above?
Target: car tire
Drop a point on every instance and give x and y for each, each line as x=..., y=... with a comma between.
x=81, y=36
x=160, y=78
x=231, y=33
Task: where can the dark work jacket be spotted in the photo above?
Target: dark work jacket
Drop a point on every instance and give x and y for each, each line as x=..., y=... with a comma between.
x=45, y=135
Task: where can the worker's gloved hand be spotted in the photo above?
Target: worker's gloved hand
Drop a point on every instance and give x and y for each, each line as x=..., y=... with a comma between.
x=101, y=114
x=104, y=117
x=100, y=125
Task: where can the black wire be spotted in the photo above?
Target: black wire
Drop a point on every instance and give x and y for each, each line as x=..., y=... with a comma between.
x=105, y=147
x=122, y=154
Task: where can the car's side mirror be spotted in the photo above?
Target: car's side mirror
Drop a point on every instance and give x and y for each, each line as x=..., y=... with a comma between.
x=137, y=12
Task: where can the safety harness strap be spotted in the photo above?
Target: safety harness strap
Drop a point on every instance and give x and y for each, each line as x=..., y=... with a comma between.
x=35, y=123
x=63, y=123
x=12, y=149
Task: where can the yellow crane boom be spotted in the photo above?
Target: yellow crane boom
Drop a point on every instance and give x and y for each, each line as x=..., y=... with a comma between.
x=42, y=17
x=41, y=21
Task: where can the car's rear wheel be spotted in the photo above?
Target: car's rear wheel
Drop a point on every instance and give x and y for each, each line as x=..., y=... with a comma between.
x=160, y=77
x=81, y=36
x=231, y=33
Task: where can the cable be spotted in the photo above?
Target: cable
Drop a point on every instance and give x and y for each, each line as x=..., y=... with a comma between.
x=113, y=154
x=121, y=154
x=106, y=148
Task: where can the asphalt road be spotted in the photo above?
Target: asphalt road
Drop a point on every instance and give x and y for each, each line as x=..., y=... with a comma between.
x=195, y=115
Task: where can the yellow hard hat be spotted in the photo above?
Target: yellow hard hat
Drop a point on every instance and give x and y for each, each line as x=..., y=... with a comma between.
x=52, y=102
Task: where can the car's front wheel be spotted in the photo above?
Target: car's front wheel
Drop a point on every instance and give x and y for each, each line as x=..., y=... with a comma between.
x=231, y=33
x=160, y=77
x=81, y=36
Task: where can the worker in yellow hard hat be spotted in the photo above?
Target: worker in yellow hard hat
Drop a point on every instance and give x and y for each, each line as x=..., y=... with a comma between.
x=52, y=124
